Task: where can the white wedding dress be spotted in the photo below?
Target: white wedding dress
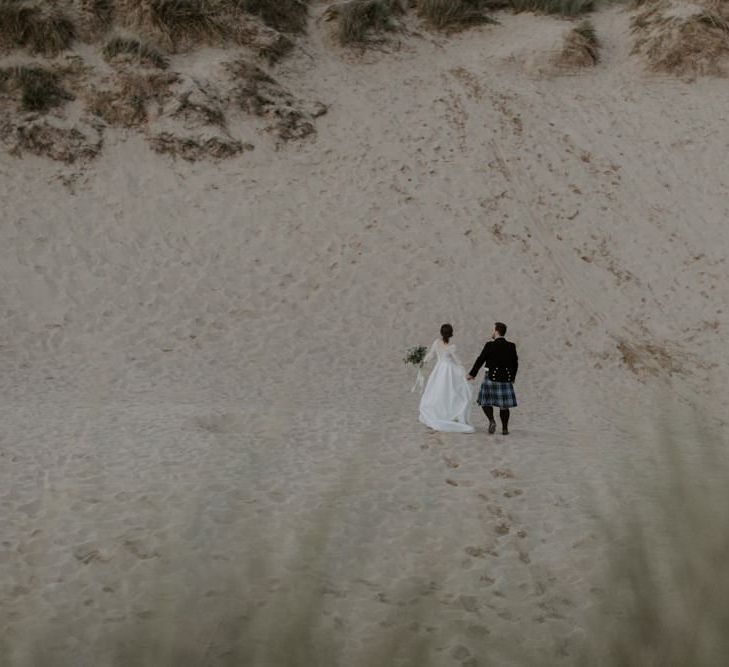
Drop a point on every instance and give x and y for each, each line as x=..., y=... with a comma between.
x=446, y=401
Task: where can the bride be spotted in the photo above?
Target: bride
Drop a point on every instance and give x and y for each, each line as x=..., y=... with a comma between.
x=446, y=401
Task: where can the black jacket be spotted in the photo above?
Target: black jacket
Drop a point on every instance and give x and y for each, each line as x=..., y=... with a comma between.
x=500, y=358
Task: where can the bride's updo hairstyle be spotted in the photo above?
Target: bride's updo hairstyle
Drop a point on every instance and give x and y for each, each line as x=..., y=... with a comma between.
x=446, y=332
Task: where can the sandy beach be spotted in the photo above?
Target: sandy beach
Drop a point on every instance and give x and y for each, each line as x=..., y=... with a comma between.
x=205, y=413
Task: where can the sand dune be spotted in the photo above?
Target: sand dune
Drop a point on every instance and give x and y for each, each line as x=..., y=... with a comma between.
x=201, y=362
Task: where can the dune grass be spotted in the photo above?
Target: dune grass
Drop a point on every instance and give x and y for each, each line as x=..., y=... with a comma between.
x=102, y=10
x=581, y=47
x=358, y=21
x=95, y=18
x=39, y=88
x=37, y=26
x=185, y=19
x=683, y=44
x=283, y=15
x=559, y=7
x=448, y=14
x=134, y=47
x=175, y=23
x=128, y=103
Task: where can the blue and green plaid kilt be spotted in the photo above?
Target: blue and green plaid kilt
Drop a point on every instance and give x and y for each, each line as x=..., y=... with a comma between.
x=497, y=394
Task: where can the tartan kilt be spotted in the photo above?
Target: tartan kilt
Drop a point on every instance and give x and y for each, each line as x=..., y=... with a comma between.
x=497, y=394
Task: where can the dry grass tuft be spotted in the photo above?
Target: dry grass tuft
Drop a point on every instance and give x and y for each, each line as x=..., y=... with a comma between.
x=276, y=49
x=358, y=20
x=197, y=104
x=259, y=94
x=48, y=27
x=62, y=144
x=176, y=23
x=193, y=149
x=128, y=105
x=559, y=7
x=95, y=18
x=283, y=15
x=450, y=14
x=37, y=26
x=266, y=42
x=38, y=89
x=683, y=40
x=142, y=53
x=581, y=47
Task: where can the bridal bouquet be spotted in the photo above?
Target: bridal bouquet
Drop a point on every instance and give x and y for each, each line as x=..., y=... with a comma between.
x=416, y=356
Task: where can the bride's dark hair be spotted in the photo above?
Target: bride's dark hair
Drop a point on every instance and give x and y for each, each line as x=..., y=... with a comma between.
x=446, y=332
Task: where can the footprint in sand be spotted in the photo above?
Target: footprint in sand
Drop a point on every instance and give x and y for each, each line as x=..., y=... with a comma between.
x=469, y=602
x=477, y=631
x=475, y=552
x=495, y=510
x=460, y=652
x=88, y=553
x=513, y=493
x=140, y=550
x=503, y=528
x=451, y=462
x=502, y=473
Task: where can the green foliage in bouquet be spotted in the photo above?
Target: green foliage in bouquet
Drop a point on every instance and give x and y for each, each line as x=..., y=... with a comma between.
x=416, y=355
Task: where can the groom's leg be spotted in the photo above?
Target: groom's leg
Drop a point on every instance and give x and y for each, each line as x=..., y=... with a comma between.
x=490, y=415
x=504, y=415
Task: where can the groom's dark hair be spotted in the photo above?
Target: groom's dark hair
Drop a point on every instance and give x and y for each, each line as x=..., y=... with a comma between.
x=501, y=328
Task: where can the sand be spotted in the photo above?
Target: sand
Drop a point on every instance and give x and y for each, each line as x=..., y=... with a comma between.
x=205, y=412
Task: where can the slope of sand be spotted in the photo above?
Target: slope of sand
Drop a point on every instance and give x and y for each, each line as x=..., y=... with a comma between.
x=205, y=413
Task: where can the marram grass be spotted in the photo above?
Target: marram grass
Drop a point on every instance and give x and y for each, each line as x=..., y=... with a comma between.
x=559, y=7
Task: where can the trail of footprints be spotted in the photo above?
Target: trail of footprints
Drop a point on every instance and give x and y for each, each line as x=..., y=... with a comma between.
x=510, y=535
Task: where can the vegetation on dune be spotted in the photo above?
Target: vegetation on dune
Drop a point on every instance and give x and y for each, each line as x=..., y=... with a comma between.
x=672, y=38
x=559, y=7
x=96, y=17
x=192, y=149
x=259, y=94
x=39, y=88
x=358, y=20
x=581, y=47
x=142, y=52
x=283, y=15
x=176, y=23
x=37, y=26
x=682, y=42
x=63, y=144
x=128, y=104
x=444, y=14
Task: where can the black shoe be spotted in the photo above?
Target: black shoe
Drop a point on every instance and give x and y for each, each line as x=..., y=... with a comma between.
x=492, y=427
x=505, y=431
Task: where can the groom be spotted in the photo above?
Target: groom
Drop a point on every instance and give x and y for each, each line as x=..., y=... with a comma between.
x=497, y=390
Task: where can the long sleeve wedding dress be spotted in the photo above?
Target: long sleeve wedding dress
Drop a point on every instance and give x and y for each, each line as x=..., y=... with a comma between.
x=446, y=401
